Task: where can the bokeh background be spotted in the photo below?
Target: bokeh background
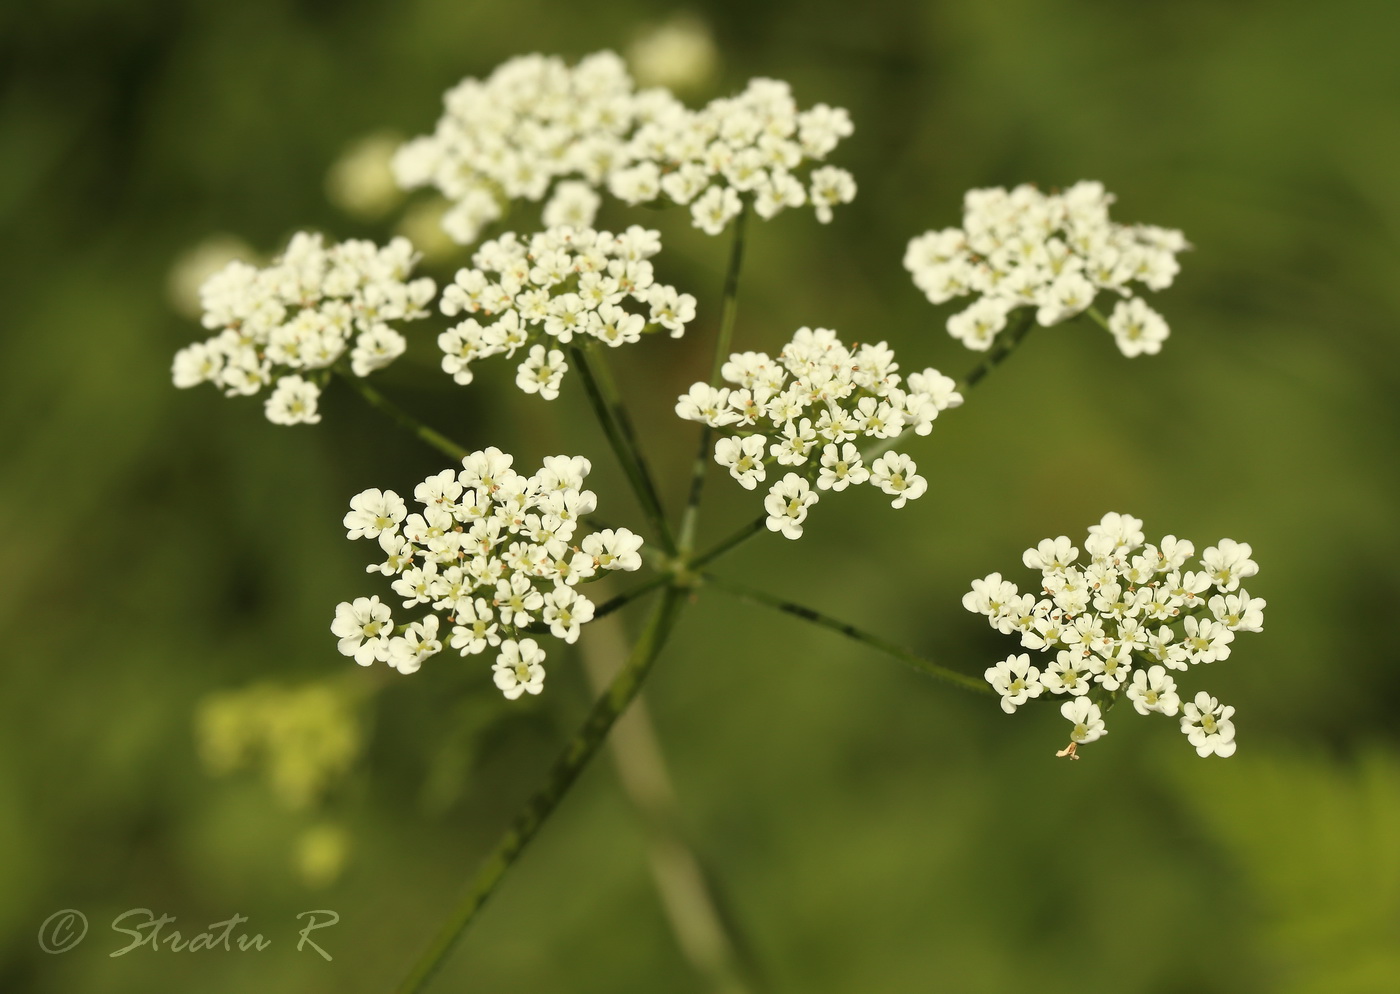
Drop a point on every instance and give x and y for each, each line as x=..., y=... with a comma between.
x=172, y=561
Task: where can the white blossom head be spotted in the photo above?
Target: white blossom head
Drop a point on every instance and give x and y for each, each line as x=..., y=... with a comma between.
x=489, y=560
x=756, y=147
x=1052, y=252
x=288, y=323
x=561, y=285
x=537, y=128
x=1119, y=622
x=532, y=123
x=809, y=411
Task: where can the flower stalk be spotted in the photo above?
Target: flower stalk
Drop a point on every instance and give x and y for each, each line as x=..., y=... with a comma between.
x=571, y=762
x=606, y=401
x=729, y=313
x=911, y=659
x=425, y=434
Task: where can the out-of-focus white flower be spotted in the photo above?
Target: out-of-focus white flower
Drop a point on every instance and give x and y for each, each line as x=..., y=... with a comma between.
x=561, y=284
x=537, y=128
x=1054, y=252
x=290, y=321
x=679, y=54
x=361, y=182
x=196, y=264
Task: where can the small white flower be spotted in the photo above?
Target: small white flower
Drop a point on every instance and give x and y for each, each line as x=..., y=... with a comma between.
x=418, y=642
x=1068, y=674
x=830, y=186
x=1137, y=328
x=977, y=325
x=565, y=612
x=519, y=668
x=841, y=467
x=1153, y=690
x=743, y=457
x=706, y=404
x=715, y=208
x=363, y=627
x=1052, y=555
x=787, y=504
x=375, y=349
x=614, y=549
x=1086, y=718
x=1016, y=680
x=475, y=627
x=1228, y=563
x=1207, y=726
x=573, y=204
x=1239, y=612
x=372, y=512
x=894, y=474
x=293, y=402
x=542, y=372
x=1206, y=640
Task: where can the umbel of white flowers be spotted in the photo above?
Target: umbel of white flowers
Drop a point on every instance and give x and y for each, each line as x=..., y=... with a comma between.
x=490, y=555
x=537, y=127
x=807, y=409
x=557, y=285
x=1117, y=624
x=1054, y=252
x=300, y=315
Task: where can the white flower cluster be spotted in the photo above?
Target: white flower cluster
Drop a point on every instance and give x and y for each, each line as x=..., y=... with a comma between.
x=537, y=127
x=531, y=123
x=563, y=282
x=300, y=315
x=1119, y=623
x=1053, y=252
x=806, y=409
x=491, y=549
x=755, y=144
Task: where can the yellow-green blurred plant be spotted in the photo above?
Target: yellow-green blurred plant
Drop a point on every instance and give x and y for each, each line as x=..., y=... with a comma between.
x=1318, y=841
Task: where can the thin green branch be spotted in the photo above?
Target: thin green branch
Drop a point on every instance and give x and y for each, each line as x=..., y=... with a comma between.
x=905, y=656
x=607, y=406
x=730, y=307
x=1005, y=345
x=576, y=755
x=754, y=527
x=729, y=312
x=1097, y=317
x=405, y=420
x=628, y=596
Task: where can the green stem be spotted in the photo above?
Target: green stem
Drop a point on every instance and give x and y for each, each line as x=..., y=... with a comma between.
x=911, y=659
x=1005, y=345
x=745, y=533
x=576, y=755
x=729, y=312
x=628, y=596
x=617, y=426
x=1097, y=317
x=405, y=420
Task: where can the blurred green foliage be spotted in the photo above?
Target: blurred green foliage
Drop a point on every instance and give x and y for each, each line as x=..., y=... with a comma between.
x=870, y=830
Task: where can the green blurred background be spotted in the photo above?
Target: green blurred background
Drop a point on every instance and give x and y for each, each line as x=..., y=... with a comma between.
x=868, y=830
